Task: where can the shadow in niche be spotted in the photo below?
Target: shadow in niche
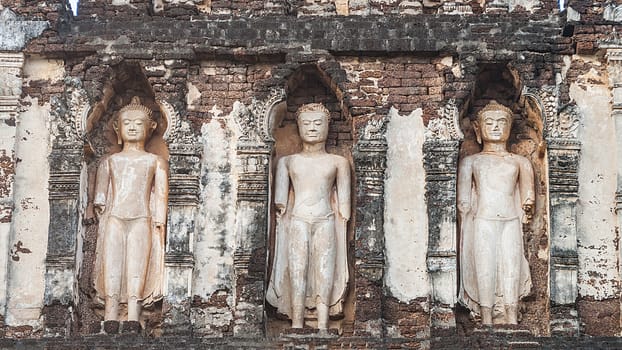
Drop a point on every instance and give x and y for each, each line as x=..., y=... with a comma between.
x=127, y=80
x=309, y=85
x=500, y=82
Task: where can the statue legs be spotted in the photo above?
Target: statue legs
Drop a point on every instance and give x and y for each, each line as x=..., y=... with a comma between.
x=114, y=261
x=137, y=259
x=511, y=314
x=499, y=243
x=323, y=254
x=127, y=245
x=312, y=266
x=111, y=311
x=298, y=268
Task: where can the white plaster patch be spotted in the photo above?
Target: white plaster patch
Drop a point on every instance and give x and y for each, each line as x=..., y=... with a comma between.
x=594, y=60
x=26, y=284
x=209, y=71
x=216, y=220
x=44, y=69
x=447, y=61
x=572, y=15
x=406, y=221
x=529, y=5
x=193, y=95
x=567, y=62
x=596, y=221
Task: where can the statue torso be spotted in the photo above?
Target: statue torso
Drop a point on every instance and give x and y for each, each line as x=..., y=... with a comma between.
x=132, y=174
x=312, y=178
x=496, y=177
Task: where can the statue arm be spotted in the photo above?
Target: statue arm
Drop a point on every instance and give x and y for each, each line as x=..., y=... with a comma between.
x=526, y=186
x=102, y=183
x=343, y=188
x=281, y=190
x=465, y=178
x=161, y=192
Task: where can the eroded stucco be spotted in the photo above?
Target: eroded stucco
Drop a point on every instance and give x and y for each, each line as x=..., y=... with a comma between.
x=406, y=220
x=596, y=221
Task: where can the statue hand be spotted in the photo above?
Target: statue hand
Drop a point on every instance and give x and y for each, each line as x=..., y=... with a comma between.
x=99, y=210
x=280, y=210
x=464, y=207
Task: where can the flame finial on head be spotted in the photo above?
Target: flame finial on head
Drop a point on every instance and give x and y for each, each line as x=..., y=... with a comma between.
x=494, y=106
x=312, y=107
x=135, y=105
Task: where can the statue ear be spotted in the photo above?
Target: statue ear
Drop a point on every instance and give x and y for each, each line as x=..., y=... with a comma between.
x=478, y=132
x=115, y=126
x=154, y=125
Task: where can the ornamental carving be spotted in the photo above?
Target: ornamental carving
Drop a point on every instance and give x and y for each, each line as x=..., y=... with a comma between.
x=10, y=81
x=547, y=98
x=254, y=121
x=69, y=112
x=375, y=129
x=447, y=126
x=566, y=123
x=614, y=65
x=178, y=131
x=612, y=12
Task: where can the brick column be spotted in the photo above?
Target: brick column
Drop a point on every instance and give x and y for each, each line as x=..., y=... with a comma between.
x=10, y=90
x=254, y=153
x=561, y=127
x=183, y=199
x=66, y=166
x=370, y=159
x=179, y=259
x=440, y=160
x=563, y=157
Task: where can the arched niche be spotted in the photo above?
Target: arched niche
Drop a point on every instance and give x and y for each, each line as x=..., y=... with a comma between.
x=500, y=82
x=310, y=84
x=100, y=141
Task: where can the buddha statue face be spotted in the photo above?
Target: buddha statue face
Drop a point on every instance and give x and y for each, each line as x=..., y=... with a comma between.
x=134, y=123
x=313, y=126
x=495, y=126
x=134, y=126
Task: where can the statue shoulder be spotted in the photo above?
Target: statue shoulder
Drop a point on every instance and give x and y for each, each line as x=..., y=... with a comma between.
x=470, y=158
x=159, y=159
x=340, y=160
x=285, y=159
x=522, y=160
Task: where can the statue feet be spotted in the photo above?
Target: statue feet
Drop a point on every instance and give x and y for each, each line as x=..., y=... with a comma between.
x=486, y=316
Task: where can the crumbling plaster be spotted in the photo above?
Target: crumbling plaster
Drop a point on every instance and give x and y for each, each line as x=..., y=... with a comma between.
x=406, y=220
x=596, y=221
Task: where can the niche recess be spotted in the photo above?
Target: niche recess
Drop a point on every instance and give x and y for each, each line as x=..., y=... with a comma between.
x=127, y=80
x=309, y=84
x=501, y=82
